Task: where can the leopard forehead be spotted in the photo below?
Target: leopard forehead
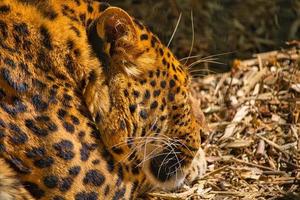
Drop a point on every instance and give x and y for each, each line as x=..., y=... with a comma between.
x=163, y=59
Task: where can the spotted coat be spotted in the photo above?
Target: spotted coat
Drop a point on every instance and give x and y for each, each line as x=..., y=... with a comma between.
x=80, y=84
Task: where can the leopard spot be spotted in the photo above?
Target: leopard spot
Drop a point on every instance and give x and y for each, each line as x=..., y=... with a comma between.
x=94, y=177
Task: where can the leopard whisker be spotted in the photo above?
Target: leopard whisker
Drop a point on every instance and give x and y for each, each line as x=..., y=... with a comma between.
x=205, y=61
x=145, y=158
x=164, y=161
x=128, y=154
x=136, y=147
x=153, y=156
x=131, y=139
x=145, y=145
x=210, y=56
x=202, y=70
x=139, y=145
x=210, y=60
x=193, y=37
x=162, y=138
x=175, y=29
x=176, y=171
x=172, y=151
x=176, y=163
x=178, y=140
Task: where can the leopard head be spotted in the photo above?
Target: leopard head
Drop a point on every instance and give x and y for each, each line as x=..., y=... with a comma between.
x=145, y=112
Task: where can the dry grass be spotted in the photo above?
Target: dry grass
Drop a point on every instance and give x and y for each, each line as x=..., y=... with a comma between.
x=253, y=148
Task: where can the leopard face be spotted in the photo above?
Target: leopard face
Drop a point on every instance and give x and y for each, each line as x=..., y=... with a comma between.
x=149, y=120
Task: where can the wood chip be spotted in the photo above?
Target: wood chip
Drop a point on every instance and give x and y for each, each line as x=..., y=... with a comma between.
x=239, y=116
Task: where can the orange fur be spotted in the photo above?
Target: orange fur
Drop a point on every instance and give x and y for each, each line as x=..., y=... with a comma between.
x=89, y=101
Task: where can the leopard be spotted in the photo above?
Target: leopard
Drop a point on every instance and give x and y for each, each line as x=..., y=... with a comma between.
x=92, y=105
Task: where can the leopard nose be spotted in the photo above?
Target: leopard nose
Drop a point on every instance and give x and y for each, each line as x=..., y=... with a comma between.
x=166, y=165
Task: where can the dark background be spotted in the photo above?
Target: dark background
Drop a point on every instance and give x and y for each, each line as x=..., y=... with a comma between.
x=243, y=27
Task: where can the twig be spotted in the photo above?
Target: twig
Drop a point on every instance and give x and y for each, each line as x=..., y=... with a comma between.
x=216, y=171
x=273, y=144
x=178, y=196
x=240, y=194
x=254, y=165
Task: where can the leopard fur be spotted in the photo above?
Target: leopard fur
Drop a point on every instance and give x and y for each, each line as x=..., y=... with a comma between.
x=92, y=105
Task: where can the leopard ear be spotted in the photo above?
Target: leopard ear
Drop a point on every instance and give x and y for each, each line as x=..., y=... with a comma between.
x=114, y=39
